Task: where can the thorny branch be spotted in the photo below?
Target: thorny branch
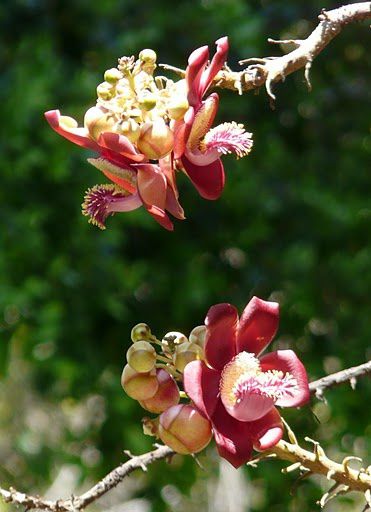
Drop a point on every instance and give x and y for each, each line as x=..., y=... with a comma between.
x=268, y=70
x=307, y=462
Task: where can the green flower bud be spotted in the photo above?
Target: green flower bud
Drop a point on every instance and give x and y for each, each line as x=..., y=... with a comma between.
x=139, y=386
x=105, y=91
x=198, y=336
x=147, y=101
x=148, y=56
x=186, y=353
x=141, y=332
x=177, y=107
x=184, y=429
x=96, y=122
x=112, y=76
x=156, y=139
x=171, y=340
x=166, y=395
x=141, y=356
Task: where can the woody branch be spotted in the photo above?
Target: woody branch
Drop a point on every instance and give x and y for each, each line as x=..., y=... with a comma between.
x=304, y=460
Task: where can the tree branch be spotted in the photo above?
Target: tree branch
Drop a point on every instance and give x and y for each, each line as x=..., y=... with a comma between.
x=354, y=480
x=268, y=70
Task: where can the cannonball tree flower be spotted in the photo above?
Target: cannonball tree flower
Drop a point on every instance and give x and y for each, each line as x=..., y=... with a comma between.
x=197, y=146
x=129, y=129
x=237, y=388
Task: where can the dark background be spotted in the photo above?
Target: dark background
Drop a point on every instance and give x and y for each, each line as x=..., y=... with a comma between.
x=293, y=225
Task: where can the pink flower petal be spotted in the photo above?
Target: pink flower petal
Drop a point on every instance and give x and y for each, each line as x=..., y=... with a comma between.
x=258, y=325
x=196, y=65
x=120, y=144
x=151, y=185
x=159, y=216
x=221, y=322
x=77, y=135
x=208, y=179
x=287, y=361
x=252, y=407
x=267, y=431
x=216, y=64
x=202, y=386
x=182, y=129
x=232, y=437
x=172, y=204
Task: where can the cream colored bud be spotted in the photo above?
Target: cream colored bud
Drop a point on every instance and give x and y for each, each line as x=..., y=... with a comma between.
x=68, y=122
x=112, y=76
x=186, y=353
x=147, y=101
x=105, y=91
x=148, y=56
x=96, y=122
x=177, y=107
x=130, y=129
x=139, y=386
x=198, y=336
x=171, y=340
x=141, y=356
x=141, y=332
x=156, y=139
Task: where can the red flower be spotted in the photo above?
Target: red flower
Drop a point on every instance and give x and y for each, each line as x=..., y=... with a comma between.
x=237, y=390
x=138, y=181
x=196, y=146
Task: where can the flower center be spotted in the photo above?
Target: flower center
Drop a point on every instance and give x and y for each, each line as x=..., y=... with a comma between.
x=248, y=392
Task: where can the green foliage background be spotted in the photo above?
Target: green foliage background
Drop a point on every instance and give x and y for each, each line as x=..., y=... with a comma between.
x=293, y=225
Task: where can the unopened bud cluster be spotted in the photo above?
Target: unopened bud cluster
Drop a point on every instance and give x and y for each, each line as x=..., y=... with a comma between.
x=153, y=376
x=134, y=103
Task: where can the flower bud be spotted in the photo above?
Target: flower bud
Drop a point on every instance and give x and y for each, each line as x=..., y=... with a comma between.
x=150, y=426
x=186, y=353
x=96, y=122
x=139, y=386
x=171, y=340
x=130, y=129
x=141, y=356
x=177, y=107
x=147, y=101
x=156, y=139
x=166, y=395
x=198, y=336
x=141, y=332
x=184, y=429
x=112, y=75
x=68, y=122
x=105, y=91
x=147, y=55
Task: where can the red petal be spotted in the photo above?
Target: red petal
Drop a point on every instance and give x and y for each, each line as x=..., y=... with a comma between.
x=120, y=144
x=172, y=204
x=159, y=216
x=258, y=325
x=196, y=65
x=267, y=431
x=182, y=130
x=202, y=386
x=287, y=361
x=232, y=437
x=208, y=179
x=221, y=322
x=78, y=136
x=151, y=185
x=215, y=65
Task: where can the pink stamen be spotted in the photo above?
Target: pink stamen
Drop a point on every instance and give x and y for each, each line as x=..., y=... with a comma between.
x=228, y=138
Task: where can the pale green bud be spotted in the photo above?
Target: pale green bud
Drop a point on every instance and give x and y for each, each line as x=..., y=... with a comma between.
x=96, y=122
x=185, y=353
x=198, y=336
x=177, y=107
x=148, y=56
x=147, y=101
x=141, y=332
x=105, y=91
x=141, y=356
x=112, y=76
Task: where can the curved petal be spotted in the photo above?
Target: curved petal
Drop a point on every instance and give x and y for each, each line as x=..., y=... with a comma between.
x=287, y=361
x=76, y=135
x=120, y=144
x=208, y=179
x=258, y=325
x=172, y=204
x=216, y=64
x=232, y=437
x=151, y=185
x=222, y=323
x=159, y=216
x=267, y=431
x=202, y=386
x=196, y=64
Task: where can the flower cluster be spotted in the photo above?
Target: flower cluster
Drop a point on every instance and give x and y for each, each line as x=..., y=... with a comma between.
x=145, y=128
x=231, y=390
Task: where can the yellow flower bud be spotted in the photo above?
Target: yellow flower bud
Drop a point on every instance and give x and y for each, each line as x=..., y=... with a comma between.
x=96, y=121
x=156, y=139
x=198, y=336
x=68, y=122
x=141, y=332
x=139, y=386
x=186, y=353
x=112, y=75
x=141, y=356
x=166, y=395
x=171, y=340
x=147, y=101
x=184, y=429
x=177, y=107
x=147, y=55
x=130, y=129
x=105, y=91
